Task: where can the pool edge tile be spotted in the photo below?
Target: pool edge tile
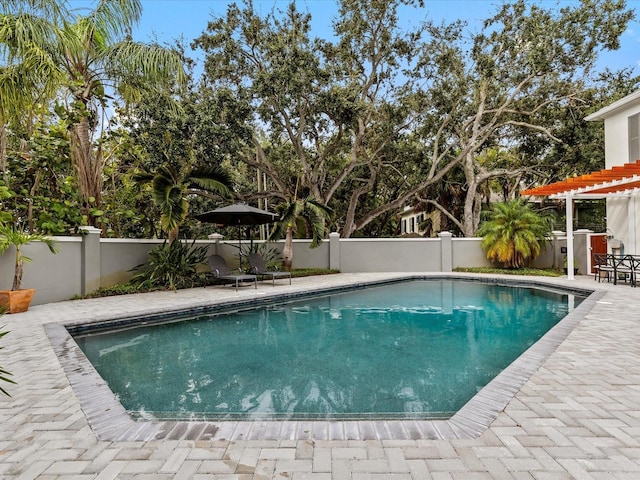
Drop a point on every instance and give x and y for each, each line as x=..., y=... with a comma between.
x=110, y=421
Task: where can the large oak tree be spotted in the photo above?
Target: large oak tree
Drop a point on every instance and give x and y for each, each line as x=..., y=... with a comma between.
x=372, y=118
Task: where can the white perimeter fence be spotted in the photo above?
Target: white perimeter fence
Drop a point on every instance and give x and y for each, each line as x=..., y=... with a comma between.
x=85, y=263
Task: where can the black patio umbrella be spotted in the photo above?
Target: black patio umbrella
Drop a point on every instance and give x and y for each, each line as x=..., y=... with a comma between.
x=238, y=214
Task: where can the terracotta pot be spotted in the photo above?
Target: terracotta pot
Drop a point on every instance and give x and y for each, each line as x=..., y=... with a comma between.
x=17, y=300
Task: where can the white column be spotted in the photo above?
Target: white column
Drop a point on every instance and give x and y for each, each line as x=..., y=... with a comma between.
x=217, y=238
x=334, y=250
x=446, y=252
x=569, y=214
x=90, y=275
x=631, y=225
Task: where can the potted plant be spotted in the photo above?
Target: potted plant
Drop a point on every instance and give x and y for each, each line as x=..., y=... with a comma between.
x=18, y=299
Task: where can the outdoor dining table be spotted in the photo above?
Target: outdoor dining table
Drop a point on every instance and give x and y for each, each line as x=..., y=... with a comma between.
x=619, y=267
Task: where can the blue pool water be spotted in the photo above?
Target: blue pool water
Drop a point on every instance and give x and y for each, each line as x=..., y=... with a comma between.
x=415, y=349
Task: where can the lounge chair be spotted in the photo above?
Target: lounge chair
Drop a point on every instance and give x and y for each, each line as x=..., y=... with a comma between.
x=258, y=267
x=221, y=271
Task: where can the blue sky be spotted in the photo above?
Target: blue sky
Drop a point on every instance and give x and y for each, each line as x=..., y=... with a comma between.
x=165, y=20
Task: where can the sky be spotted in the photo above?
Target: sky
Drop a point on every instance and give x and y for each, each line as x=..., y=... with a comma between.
x=166, y=20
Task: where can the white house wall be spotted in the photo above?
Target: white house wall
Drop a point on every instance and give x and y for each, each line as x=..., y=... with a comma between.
x=616, y=138
x=621, y=216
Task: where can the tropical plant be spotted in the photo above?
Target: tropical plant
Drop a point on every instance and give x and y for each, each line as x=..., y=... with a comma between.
x=17, y=237
x=514, y=233
x=298, y=215
x=271, y=256
x=171, y=265
x=86, y=56
x=171, y=188
x=4, y=374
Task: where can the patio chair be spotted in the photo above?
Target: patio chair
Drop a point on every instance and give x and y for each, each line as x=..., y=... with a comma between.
x=622, y=268
x=601, y=266
x=258, y=267
x=221, y=271
x=634, y=261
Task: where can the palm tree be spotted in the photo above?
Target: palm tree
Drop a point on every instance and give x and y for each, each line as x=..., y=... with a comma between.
x=171, y=187
x=85, y=56
x=514, y=234
x=16, y=237
x=297, y=215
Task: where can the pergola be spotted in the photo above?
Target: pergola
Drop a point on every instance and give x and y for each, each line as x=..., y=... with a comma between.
x=616, y=182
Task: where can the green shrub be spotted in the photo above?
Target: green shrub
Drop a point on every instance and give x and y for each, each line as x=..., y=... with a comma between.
x=271, y=256
x=539, y=272
x=514, y=234
x=173, y=265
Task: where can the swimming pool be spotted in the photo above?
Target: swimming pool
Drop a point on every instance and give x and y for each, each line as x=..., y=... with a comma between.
x=417, y=349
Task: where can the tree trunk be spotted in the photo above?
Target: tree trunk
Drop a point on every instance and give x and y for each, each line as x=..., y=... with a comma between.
x=3, y=153
x=173, y=234
x=32, y=193
x=17, y=278
x=287, y=251
x=88, y=167
x=470, y=197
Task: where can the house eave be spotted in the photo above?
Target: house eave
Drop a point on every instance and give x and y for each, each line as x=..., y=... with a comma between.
x=606, y=112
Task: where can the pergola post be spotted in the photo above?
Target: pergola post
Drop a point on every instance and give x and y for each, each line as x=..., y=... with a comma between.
x=615, y=182
x=631, y=224
x=569, y=215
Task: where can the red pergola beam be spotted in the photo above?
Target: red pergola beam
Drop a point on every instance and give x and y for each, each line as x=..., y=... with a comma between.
x=596, y=179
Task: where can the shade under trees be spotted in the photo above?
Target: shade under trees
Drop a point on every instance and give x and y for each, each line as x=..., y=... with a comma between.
x=377, y=116
x=80, y=57
x=374, y=117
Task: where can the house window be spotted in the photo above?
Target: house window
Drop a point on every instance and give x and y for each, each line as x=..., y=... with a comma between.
x=413, y=224
x=404, y=226
x=634, y=137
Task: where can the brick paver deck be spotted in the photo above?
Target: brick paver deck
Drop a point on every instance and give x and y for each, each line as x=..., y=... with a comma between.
x=576, y=417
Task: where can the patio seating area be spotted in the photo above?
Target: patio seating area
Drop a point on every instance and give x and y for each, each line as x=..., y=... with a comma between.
x=221, y=271
x=577, y=417
x=615, y=268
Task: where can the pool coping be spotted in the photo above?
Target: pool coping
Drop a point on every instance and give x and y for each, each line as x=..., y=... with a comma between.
x=110, y=421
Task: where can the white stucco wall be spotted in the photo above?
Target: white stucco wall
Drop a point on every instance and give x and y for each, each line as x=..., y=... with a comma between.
x=621, y=213
x=55, y=277
x=390, y=255
x=468, y=252
x=616, y=135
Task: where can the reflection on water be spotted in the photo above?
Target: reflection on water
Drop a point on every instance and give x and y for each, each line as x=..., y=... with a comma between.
x=422, y=348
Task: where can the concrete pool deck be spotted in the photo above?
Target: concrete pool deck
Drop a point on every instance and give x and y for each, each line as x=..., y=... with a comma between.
x=577, y=415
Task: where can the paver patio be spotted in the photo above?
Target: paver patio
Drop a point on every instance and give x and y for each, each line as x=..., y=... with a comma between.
x=578, y=415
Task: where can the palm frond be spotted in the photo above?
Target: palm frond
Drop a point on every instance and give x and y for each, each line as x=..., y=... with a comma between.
x=213, y=179
x=310, y=211
x=514, y=233
x=51, y=9
x=129, y=61
x=4, y=374
x=115, y=19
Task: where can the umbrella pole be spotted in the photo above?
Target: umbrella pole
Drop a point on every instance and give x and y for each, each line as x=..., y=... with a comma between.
x=240, y=246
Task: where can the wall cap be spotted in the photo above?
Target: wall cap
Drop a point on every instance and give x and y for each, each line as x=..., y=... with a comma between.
x=89, y=229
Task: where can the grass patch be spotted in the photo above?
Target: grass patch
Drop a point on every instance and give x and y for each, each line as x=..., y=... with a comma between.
x=538, y=272
x=308, y=272
x=129, y=288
